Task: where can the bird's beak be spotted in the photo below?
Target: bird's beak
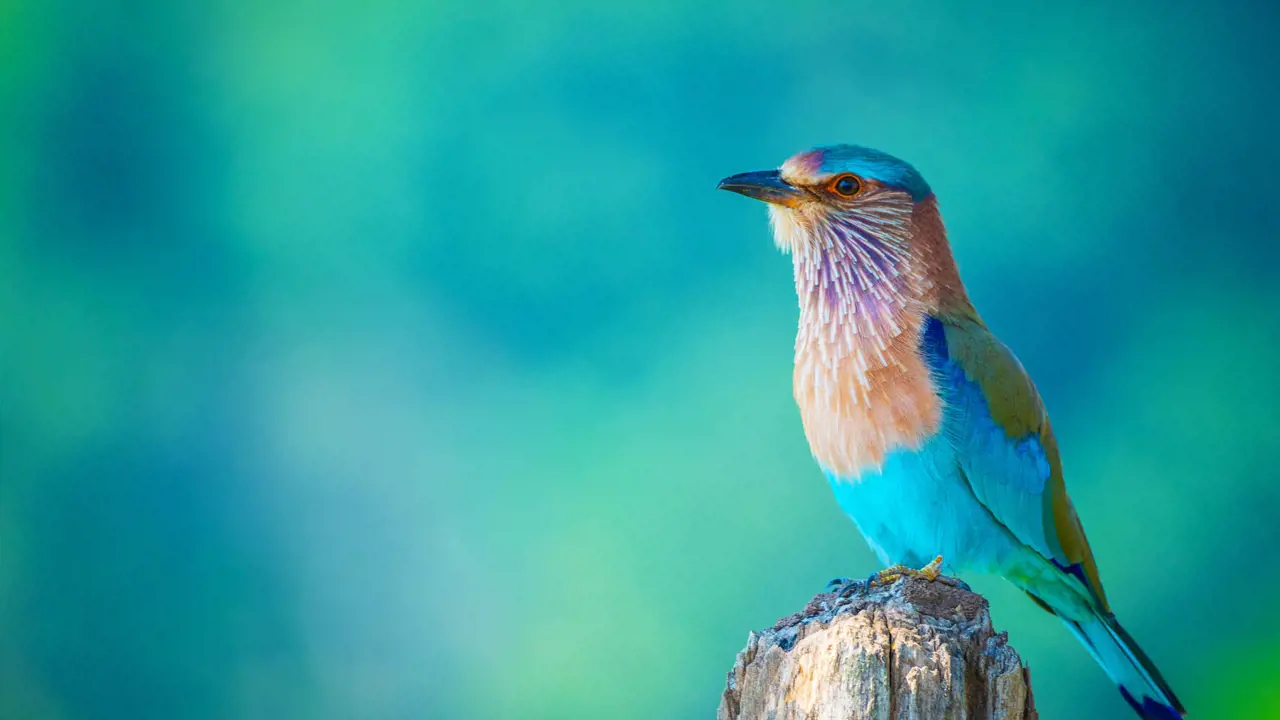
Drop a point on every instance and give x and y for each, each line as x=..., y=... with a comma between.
x=766, y=185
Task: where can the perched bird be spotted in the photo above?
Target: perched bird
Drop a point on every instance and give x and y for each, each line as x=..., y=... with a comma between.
x=929, y=430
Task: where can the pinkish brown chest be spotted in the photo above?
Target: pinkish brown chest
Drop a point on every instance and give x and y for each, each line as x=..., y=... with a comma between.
x=861, y=384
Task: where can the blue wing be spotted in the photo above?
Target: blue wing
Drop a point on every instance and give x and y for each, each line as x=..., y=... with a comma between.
x=997, y=424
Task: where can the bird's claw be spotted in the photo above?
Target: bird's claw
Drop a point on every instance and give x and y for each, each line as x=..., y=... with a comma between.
x=845, y=587
x=931, y=572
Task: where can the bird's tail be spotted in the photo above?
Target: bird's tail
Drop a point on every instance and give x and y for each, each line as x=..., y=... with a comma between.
x=1129, y=668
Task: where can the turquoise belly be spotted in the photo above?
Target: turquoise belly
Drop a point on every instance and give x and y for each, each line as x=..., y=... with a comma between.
x=919, y=506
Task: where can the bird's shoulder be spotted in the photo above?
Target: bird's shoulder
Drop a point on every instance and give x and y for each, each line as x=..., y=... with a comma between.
x=974, y=355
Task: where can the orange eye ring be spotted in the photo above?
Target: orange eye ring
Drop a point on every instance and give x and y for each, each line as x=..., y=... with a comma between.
x=846, y=186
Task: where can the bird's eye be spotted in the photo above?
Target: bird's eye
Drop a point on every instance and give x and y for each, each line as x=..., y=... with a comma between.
x=846, y=186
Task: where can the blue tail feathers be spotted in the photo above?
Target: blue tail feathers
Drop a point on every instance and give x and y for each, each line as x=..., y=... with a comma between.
x=1151, y=709
x=1128, y=666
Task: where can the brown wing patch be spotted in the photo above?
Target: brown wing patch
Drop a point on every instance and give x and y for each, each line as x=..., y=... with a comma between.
x=1071, y=537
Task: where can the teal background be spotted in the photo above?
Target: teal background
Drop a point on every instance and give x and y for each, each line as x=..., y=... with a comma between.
x=399, y=360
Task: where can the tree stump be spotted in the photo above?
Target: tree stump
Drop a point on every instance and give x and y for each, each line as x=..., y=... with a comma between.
x=913, y=650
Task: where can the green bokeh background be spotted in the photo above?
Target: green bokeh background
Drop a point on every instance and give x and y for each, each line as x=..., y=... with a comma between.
x=398, y=360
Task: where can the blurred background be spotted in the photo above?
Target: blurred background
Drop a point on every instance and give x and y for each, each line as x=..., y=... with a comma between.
x=399, y=360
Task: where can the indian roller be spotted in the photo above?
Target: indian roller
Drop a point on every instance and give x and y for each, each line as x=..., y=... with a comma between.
x=930, y=431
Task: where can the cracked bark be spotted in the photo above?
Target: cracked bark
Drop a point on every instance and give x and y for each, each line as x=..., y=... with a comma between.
x=914, y=650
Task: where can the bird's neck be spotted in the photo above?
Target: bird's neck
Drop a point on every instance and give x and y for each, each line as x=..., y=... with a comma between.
x=862, y=385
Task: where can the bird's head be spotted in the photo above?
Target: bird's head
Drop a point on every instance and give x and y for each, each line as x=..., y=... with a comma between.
x=863, y=229
x=827, y=195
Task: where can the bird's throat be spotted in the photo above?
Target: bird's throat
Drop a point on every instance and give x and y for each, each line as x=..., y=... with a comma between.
x=861, y=384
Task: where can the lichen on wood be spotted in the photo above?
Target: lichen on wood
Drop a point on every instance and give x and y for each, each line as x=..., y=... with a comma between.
x=913, y=650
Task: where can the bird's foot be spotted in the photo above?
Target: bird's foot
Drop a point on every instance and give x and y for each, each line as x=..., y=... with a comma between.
x=847, y=587
x=931, y=572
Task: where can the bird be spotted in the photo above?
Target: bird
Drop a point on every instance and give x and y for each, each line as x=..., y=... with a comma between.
x=929, y=430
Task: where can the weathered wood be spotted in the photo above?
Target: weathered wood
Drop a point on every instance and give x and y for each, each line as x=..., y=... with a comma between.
x=912, y=650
